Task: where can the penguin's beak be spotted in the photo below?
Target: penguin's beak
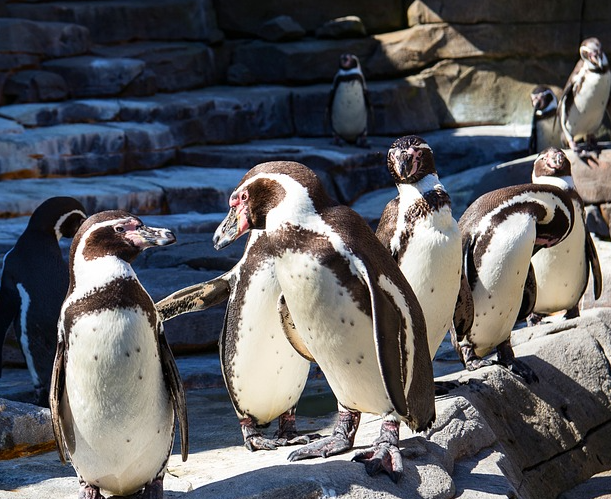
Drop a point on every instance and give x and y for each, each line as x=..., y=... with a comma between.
x=233, y=226
x=153, y=236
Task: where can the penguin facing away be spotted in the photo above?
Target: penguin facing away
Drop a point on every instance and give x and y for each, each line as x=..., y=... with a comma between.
x=351, y=306
x=545, y=130
x=348, y=107
x=562, y=271
x=116, y=388
x=584, y=100
x=33, y=286
x=501, y=231
x=264, y=374
x=418, y=228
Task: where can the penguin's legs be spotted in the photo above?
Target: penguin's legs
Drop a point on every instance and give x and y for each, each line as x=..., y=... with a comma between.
x=384, y=455
x=253, y=438
x=471, y=360
x=287, y=430
x=340, y=441
x=361, y=141
x=286, y=434
x=87, y=491
x=507, y=358
x=153, y=490
x=534, y=319
x=572, y=313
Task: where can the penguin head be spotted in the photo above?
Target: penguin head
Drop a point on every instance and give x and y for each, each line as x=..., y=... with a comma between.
x=410, y=159
x=117, y=233
x=543, y=100
x=280, y=190
x=591, y=51
x=551, y=162
x=348, y=62
x=60, y=216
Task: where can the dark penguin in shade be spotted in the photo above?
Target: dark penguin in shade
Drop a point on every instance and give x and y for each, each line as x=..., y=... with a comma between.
x=562, y=271
x=501, y=231
x=352, y=308
x=34, y=284
x=545, y=131
x=263, y=373
x=348, y=106
x=584, y=100
x=421, y=234
x=116, y=389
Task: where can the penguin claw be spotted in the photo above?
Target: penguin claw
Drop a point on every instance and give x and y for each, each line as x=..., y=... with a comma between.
x=304, y=439
x=382, y=457
x=87, y=491
x=258, y=442
x=475, y=363
x=327, y=446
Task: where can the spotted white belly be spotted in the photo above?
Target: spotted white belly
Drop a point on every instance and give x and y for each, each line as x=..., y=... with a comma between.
x=268, y=374
x=432, y=266
x=116, y=410
x=335, y=331
x=349, y=111
x=498, y=292
x=562, y=271
x=587, y=111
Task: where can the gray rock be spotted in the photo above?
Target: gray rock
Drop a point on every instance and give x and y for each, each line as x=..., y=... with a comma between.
x=281, y=29
x=9, y=126
x=35, y=86
x=24, y=429
x=89, y=76
x=592, y=177
x=342, y=27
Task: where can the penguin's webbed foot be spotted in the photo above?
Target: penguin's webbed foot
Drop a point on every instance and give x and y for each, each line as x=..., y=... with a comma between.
x=572, y=313
x=475, y=363
x=533, y=319
x=87, y=491
x=362, y=141
x=523, y=370
x=257, y=442
x=287, y=431
x=384, y=455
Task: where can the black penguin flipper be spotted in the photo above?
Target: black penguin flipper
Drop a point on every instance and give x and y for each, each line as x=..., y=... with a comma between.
x=592, y=257
x=177, y=391
x=529, y=297
x=195, y=298
x=464, y=309
x=9, y=309
x=290, y=331
x=58, y=382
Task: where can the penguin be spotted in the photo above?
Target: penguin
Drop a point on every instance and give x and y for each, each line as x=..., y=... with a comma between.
x=116, y=388
x=263, y=373
x=501, y=231
x=348, y=107
x=33, y=286
x=418, y=229
x=584, y=100
x=352, y=309
x=562, y=271
x=544, y=131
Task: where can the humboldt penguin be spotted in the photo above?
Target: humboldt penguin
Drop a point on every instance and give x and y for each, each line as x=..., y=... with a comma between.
x=562, y=272
x=501, y=231
x=263, y=373
x=586, y=94
x=418, y=228
x=545, y=131
x=116, y=389
x=352, y=308
x=348, y=106
x=33, y=286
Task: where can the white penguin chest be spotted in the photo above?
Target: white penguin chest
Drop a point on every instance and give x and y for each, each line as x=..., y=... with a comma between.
x=349, y=110
x=335, y=329
x=267, y=374
x=586, y=114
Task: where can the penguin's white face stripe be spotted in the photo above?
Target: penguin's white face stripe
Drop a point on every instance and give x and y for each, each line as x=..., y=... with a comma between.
x=62, y=219
x=25, y=345
x=565, y=183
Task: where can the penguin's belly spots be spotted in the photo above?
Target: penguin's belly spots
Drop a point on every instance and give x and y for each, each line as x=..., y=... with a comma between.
x=432, y=266
x=337, y=333
x=561, y=272
x=586, y=114
x=498, y=292
x=349, y=112
x=267, y=375
x=120, y=414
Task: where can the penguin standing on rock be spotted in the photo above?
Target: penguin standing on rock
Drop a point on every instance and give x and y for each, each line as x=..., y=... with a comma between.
x=263, y=373
x=545, y=131
x=501, y=231
x=116, y=389
x=34, y=284
x=421, y=234
x=562, y=271
x=348, y=107
x=354, y=312
x=584, y=100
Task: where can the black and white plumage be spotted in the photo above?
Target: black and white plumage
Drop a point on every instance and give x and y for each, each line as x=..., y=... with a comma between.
x=418, y=228
x=501, y=231
x=34, y=284
x=586, y=94
x=351, y=306
x=348, y=106
x=562, y=272
x=545, y=131
x=116, y=389
x=263, y=373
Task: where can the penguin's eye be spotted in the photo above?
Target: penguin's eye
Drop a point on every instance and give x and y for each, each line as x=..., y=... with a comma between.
x=244, y=196
x=119, y=229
